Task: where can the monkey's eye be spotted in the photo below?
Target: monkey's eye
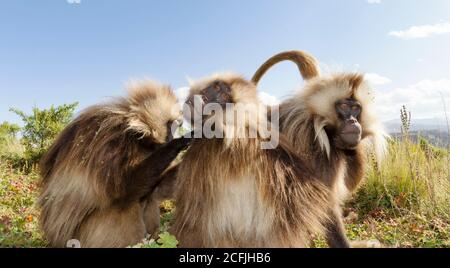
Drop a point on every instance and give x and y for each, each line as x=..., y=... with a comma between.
x=344, y=106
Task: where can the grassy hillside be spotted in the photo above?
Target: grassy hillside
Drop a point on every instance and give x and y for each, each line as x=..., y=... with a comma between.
x=406, y=201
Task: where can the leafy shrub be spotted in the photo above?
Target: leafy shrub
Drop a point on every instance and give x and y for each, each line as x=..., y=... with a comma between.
x=11, y=150
x=8, y=131
x=42, y=126
x=8, y=137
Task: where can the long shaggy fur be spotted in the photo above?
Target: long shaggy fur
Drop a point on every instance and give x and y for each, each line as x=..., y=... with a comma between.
x=85, y=184
x=231, y=193
x=309, y=121
x=312, y=112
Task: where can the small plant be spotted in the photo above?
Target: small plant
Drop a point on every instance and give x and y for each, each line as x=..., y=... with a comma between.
x=165, y=240
x=405, y=117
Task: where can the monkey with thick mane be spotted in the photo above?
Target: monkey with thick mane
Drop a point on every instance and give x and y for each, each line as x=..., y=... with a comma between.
x=106, y=173
x=327, y=123
x=232, y=193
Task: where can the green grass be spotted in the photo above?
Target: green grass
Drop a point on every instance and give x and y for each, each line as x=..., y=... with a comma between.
x=405, y=231
x=403, y=203
x=406, y=201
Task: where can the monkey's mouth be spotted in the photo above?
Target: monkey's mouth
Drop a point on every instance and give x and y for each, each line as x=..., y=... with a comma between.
x=350, y=139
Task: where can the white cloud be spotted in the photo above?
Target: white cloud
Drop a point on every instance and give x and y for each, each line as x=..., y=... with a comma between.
x=424, y=99
x=376, y=79
x=422, y=31
x=268, y=99
x=74, y=2
x=331, y=68
x=374, y=1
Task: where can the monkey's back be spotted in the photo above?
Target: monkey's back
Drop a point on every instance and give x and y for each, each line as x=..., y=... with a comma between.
x=81, y=172
x=239, y=195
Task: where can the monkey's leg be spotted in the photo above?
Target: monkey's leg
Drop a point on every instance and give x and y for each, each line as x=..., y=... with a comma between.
x=113, y=227
x=336, y=237
x=151, y=215
x=335, y=233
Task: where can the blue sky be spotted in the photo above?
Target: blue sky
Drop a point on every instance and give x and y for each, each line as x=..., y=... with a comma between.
x=54, y=52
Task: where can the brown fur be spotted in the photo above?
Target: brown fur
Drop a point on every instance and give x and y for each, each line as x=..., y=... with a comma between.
x=97, y=175
x=309, y=121
x=312, y=114
x=305, y=62
x=234, y=194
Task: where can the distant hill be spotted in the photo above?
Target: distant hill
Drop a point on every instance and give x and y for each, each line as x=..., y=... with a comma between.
x=439, y=124
x=432, y=129
x=435, y=137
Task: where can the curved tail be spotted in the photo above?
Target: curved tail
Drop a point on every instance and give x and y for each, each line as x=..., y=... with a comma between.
x=306, y=64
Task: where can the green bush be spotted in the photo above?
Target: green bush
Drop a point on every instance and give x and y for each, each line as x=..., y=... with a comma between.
x=41, y=127
x=11, y=150
x=8, y=137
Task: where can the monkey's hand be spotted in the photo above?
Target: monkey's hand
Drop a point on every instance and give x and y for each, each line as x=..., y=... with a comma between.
x=147, y=174
x=177, y=145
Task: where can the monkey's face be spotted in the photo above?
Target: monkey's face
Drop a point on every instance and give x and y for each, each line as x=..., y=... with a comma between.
x=217, y=92
x=349, y=130
x=223, y=105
